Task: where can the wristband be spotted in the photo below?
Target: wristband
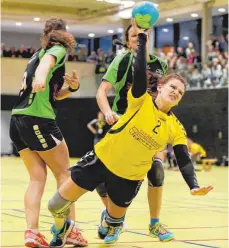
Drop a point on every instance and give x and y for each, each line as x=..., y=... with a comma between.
x=73, y=90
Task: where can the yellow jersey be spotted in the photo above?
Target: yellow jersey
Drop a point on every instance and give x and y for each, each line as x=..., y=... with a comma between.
x=197, y=149
x=129, y=146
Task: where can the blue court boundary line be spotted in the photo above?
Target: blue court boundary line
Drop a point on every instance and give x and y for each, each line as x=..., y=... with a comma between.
x=197, y=244
x=191, y=243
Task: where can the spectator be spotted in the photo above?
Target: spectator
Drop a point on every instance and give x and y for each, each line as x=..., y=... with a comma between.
x=224, y=79
x=93, y=58
x=189, y=49
x=160, y=53
x=181, y=64
x=216, y=72
x=211, y=53
x=21, y=52
x=222, y=44
x=72, y=56
x=100, y=67
x=180, y=52
x=195, y=79
x=212, y=42
x=197, y=61
x=206, y=74
x=82, y=57
x=109, y=58
x=5, y=51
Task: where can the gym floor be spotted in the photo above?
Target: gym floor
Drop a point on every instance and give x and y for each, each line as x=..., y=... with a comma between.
x=195, y=221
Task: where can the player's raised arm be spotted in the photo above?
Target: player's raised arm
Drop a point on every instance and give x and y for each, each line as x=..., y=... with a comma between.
x=139, y=64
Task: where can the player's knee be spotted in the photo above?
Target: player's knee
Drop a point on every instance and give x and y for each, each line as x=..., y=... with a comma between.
x=101, y=190
x=58, y=206
x=156, y=174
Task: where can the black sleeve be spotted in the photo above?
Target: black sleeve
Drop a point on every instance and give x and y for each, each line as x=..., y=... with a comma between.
x=139, y=68
x=185, y=165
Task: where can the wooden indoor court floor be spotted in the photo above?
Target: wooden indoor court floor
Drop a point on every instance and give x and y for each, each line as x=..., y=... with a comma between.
x=195, y=221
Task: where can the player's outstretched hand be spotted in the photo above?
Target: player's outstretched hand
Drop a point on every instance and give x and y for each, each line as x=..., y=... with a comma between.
x=138, y=30
x=111, y=117
x=72, y=81
x=202, y=190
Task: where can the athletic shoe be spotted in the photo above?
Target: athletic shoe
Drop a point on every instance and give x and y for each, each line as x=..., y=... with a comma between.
x=59, y=237
x=103, y=231
x=113, y=234
x=35, y=240
x=159, y=231
x=76, y=238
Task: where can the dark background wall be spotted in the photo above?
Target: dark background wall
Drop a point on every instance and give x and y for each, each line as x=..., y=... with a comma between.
x=203, y=113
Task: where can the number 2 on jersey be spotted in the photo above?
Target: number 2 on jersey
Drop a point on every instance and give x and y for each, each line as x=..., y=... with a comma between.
x=155, y=130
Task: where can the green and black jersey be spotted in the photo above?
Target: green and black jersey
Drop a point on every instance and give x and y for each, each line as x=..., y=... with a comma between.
x=119, y=73
x=41, y=104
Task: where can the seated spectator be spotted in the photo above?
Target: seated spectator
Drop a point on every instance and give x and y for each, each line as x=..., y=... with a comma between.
x=212, y=42
x=172, y=58
x=206, y=73
x=216, y=72
x=5, y=52
x=197, y=60
x=195, y=79
x=160, y=53
x=222, y=44
x=181, y=64
x=82, y=56
x=109, y=58
x=191, y=57
x=225, y=55
x=211, y=53
x=13, y=52
x=72, y=56
x=21, y=52
x=93, y=58
x=224, y=79
x=30, y=51
x=180, y=52
x=190, y=49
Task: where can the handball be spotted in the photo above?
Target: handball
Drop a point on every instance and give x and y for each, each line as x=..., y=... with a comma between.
x=145, y=14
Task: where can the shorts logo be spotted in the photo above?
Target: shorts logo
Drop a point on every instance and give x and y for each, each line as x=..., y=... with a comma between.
x=40, y=136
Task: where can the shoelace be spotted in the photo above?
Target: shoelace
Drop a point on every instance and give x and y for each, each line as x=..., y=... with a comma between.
x=160, y=229
x=113, y=230
x=40, y=239
x=53, y=231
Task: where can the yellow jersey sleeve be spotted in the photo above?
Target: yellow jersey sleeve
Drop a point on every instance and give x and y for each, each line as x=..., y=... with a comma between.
x=179, y=136
x=136, y=103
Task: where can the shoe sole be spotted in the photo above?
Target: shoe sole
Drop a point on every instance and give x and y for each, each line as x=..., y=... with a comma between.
x=156, y=237
x=75, y=244
x=33, y=244
x=66, y=235
x=111, y=242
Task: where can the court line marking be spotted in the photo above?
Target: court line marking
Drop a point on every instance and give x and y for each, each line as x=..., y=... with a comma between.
x=43, y=215
x=183, y=241
x=128, y=242
x=91, y=229
x=191, y=243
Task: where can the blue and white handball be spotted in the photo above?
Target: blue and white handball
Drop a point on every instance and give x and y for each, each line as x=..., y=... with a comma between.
x=146, y=14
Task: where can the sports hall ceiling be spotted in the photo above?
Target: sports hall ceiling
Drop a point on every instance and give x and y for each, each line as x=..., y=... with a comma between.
x=90, y=16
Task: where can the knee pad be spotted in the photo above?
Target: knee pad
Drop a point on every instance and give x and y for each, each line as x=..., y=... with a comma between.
x=156, y=174
x=101, y=190
x=59, y=207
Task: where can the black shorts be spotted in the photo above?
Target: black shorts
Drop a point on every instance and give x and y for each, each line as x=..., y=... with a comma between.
x=89, y=172
x=35, y=133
